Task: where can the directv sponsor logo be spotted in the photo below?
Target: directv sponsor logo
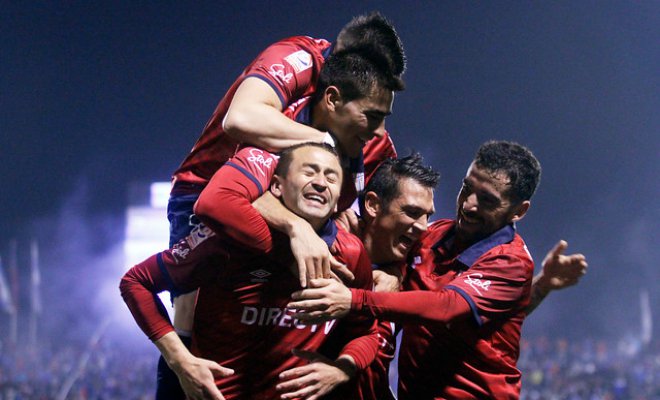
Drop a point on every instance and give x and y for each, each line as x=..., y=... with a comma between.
x=300, y=60
x=273, y=316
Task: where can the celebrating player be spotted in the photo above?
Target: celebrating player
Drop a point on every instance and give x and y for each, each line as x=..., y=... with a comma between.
x=241, y=321
x=466, y=292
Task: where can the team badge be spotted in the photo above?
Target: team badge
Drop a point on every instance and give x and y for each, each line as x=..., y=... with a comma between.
x=300, y=60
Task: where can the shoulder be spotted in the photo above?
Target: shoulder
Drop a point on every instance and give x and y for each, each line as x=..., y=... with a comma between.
x=512, y=258
x=254, y=160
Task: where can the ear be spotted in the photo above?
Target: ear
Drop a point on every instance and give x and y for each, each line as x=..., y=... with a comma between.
x=520, y=210
x=332, y=97
x=372, y=204
x=276, y=186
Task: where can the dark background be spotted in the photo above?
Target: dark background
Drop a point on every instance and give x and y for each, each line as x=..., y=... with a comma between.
x=97, y=95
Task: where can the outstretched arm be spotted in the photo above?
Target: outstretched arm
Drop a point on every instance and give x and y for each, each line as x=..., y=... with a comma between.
x=559, y=271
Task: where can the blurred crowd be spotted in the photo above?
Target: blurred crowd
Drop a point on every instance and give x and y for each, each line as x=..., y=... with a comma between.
x=586, y=369
x=104, y=371
x=589, y=369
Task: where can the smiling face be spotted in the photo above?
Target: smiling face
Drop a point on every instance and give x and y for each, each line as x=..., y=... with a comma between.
x=311, y=185
x=392, y=230
x=357, y=121
x=484, y=205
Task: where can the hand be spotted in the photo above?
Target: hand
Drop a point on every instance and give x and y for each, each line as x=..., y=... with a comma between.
x=315, y=379
x=561, y=271
x=313, y=258
x=325, y=299
x=197, y=378
x=349, y=220
x=384, y=281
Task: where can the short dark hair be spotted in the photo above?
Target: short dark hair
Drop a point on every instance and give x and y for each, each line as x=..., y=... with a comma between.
x=385, y=181
x=516, y=161
x=374, y=29
x=357, y=73
x=286, y=155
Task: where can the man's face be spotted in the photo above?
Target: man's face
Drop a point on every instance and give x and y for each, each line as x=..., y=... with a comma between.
x=484, y=205
x=356, y=122
x=312, y=184
x=396, y=228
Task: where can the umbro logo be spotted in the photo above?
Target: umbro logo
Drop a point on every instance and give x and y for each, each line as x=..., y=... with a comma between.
x=260, y=275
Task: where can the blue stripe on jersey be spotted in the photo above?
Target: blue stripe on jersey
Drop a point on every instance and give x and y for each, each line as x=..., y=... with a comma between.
x=328, y=232
x=470, y=255
x=471, y=303
x=272, y=85
x=247, y=174
x=168, y=278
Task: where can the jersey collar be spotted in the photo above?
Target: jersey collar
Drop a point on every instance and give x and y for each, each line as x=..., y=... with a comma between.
x=470, y=255
x=328, y=232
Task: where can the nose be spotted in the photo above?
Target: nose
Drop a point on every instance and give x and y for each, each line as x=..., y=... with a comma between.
x=422, y=223
x=380, y=130
x=470, y=203
x=319, y=184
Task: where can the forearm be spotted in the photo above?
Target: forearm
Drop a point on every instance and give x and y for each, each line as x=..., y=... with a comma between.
x=279, y=217
x=540, y=289
x=411, y=306
x=173, y=350
x=138, y=288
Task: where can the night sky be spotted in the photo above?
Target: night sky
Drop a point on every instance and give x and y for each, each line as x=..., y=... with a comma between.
x=97, y=95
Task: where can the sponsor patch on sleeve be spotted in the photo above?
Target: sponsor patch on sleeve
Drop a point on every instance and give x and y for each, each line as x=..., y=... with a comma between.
x=300, y=60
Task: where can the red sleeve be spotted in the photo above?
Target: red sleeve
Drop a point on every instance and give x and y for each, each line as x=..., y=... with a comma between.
x=191, y=262
x=291, y=67
x=138, y=287
x=375, y=152
x=497, y=284
x=225, y=204
x=360, y=333
x=411, y=306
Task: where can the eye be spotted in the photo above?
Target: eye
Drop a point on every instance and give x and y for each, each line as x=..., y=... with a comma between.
x=332, y=178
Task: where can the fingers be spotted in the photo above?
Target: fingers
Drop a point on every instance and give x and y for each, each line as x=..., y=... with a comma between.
x=342, y=272
x=302, y=270
x=220, y=371
x=559, y=249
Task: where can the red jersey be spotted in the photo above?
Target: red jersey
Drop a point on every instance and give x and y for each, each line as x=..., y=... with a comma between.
x=462, y=315
x=241, y=319
x=291, y=67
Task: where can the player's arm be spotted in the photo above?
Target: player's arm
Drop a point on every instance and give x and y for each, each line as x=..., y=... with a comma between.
x=328, y=299
x=225, y=204
x=255, y=116
x=356, y=336
x=559, y=271
x=196, y=375
x=139, y=287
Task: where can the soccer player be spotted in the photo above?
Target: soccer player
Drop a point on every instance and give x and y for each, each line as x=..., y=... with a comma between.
x=241, y=321
x=466, y=292
x=263, y=104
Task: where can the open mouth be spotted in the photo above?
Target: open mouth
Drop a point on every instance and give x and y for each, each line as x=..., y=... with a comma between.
x=468, y=219
x=316, y=198
x=407, y=241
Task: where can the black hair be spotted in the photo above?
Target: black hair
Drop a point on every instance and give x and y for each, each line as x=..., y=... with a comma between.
x=385, y=181
x=286, y=155
x=516, y=161
x=357, y=73
x=375, y=30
